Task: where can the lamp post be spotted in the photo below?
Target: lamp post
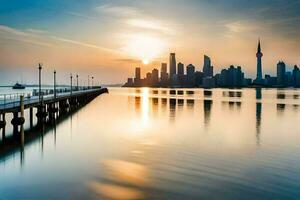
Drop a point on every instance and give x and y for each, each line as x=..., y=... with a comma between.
x=40, y=81
x=77, y=81
x=92, y=82
x=54, y=84
x=88, y=86
x=71, y=77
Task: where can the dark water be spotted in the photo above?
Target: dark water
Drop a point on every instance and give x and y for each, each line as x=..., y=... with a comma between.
x=162, y=144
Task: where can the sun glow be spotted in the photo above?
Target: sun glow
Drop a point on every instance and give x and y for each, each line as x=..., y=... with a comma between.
x=145, y=47
x=145, y=62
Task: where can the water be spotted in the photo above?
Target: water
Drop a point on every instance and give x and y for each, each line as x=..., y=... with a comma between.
x=150, y=144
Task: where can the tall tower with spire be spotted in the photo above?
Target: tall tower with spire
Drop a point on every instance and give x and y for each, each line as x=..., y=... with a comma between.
x=259, y=55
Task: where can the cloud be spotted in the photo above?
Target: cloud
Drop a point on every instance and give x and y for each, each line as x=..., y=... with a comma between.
x=35, y=31
x=80, y=43
x=42, y=38
x=28, y=37
x=128, y=60
x=151, y=25
x=117, y=10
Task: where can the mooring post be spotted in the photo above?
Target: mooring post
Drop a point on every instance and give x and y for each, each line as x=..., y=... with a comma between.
x=22, y=117
x=14, y=122
x=31, y=116
x=3, y=123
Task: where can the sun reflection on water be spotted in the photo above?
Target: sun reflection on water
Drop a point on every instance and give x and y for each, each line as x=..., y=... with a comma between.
x=142, y=121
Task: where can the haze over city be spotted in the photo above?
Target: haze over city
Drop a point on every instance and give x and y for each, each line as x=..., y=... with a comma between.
x=111, y=38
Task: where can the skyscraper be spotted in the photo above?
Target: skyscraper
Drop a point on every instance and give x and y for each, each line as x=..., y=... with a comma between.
x=137, y=79
x=259, y=55
x=154, y=77
x=190, y=74
x=180, y=69
x=207, y=68
x=138, y=73
x=164, y=73
x=281, y=73
x=172, y=65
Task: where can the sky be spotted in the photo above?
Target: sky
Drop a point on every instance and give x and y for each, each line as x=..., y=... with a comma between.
x=107, y=39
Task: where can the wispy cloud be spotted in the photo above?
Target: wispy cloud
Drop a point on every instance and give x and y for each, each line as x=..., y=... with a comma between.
x=43, y=38
x=28, y=36
x=117, y=10
x=151, y=25
x=84, y=44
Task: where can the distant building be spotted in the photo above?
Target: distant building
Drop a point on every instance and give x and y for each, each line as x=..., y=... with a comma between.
x=270, y=81
x=207, y=68
x=137, y=79
x=164, y=74
x=198, y=78
x=180, y=69
x=231, y=77
x=259, y=55
x=281, y=73
x=172, y=64
x=148, y=79
x=190, y=75
x=129, y=81
x=208, y=82
x=154, y=77
x=288, y=79
x=295, y=79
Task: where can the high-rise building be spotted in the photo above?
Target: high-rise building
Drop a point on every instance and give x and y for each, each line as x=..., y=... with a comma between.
x=163, y=74
x=231, y=77
x=154, y=77
x=294, y=75
x=190, y=74
x=172, y=64
x=281, y=73
x=138, y=73
x=148, y=78
x=259, y=55
x=137, y=79
x=180, y=69
x=207, y=68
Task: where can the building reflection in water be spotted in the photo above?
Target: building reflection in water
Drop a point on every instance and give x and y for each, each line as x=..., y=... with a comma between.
x=190, y=92
x=164, y=104
x=280, y=108
x=190, y=103
x=172, y=104
x=232, y=94
x=258, y=122
x=137, y=103
x=207, y=111
x=207, y=93
x=258, y=94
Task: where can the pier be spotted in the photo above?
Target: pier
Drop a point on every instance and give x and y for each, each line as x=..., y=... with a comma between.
x=48, y=106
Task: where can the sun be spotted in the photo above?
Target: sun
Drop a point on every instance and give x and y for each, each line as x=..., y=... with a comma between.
x=144, y=47
x=145, y=61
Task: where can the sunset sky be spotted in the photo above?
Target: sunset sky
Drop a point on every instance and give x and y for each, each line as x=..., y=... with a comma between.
x=108, y=39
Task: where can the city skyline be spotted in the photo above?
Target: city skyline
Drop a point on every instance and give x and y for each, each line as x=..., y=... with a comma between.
x=230, y=77
x=110, y=38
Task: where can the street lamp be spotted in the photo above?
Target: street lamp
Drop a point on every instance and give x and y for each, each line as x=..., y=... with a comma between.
x=40, y=81
x=54, y=84
x=77, y=81
x=71, y=77
x=92, y=82
x=88, y=82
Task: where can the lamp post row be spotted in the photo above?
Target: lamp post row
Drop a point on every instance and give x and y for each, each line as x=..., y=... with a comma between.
x=40, y=67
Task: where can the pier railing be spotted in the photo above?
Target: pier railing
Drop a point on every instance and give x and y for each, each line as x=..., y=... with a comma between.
x=13, y=99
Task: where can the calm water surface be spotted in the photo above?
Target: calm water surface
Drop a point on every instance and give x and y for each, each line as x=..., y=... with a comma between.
x=162, y=144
